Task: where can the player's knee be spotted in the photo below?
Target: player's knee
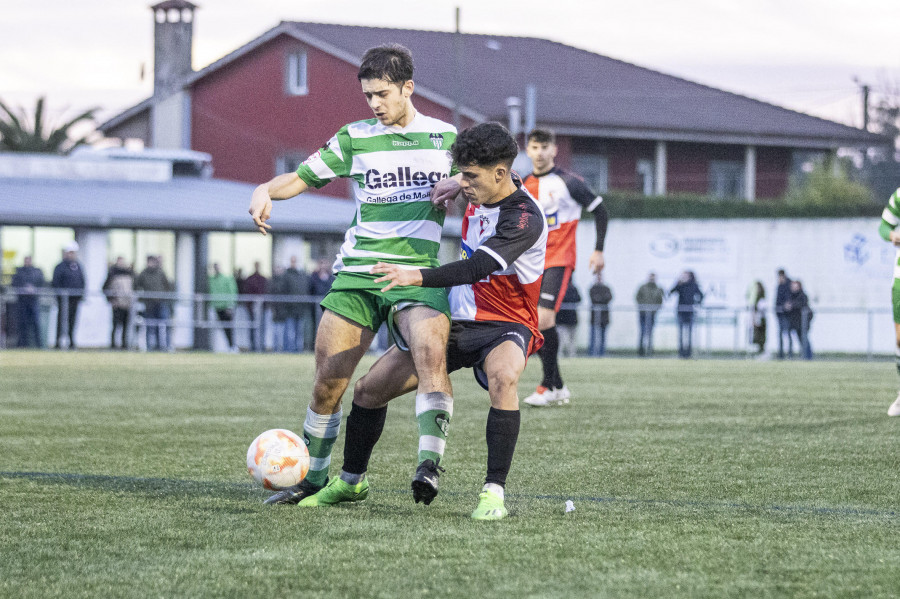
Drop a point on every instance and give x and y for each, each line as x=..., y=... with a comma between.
x=363, y=394
x=327, y=392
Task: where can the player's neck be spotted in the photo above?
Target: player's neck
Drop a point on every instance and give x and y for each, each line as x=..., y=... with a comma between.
x=541, y=173
x=408, y=117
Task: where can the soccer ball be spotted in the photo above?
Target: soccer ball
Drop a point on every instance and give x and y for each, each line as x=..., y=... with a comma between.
x=278, y=459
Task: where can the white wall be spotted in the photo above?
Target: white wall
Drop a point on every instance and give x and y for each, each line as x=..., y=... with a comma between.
x=843, y=263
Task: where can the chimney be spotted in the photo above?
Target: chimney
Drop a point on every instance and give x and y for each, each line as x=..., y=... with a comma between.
x=172, y=41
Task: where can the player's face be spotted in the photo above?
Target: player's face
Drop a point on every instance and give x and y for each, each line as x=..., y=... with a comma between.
x=389, y=101
x=542, y=156
x=479, y=184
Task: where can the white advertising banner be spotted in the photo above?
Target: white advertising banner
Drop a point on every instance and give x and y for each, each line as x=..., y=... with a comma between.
x=845, y=267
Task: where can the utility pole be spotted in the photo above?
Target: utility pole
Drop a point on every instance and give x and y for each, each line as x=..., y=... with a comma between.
x=457, y=70
x=864, y=89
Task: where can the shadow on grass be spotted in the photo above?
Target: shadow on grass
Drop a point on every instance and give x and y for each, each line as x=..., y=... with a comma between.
x=154, y=487
x=175, y=487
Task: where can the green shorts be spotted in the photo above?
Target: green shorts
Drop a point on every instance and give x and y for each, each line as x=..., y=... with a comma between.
x=895, y=300
x=354, y=297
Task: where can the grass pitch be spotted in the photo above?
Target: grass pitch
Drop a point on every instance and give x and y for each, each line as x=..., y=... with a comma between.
x=122, y=475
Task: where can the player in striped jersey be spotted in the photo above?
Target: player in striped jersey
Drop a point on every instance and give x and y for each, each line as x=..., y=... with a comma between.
x=395, y=159
x=562, y=195
x=495, y=325
x=890, y=219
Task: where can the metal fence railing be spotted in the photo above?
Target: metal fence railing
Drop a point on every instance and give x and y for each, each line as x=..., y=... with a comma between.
x=169, y=321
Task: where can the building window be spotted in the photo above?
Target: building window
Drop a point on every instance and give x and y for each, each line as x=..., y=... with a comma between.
x=646, y=171
x=594, y=168
x=296, y=82
x=726, y=179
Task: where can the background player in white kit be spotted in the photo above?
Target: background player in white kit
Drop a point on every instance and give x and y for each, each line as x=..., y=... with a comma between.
x=562, y=195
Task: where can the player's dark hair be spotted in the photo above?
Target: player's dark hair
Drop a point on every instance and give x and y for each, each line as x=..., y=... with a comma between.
x=391, y=62
x=485, y=145
x=542, y=136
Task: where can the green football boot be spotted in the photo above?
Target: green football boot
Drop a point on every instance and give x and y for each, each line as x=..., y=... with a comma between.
x=337, y=491
x=490, y=507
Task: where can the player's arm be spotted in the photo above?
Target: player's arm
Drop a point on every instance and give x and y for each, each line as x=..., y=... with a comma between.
x=890, y=219
x=445, y=191
x=281, y=187
x=461, y=272
x=515, y=233
x=593, y=203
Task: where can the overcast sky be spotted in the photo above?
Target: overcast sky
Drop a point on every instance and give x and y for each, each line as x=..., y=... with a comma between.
x=802, y=54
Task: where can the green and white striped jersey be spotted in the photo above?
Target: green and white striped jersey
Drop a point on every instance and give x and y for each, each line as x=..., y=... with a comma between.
x=394, y=169
x=890, y=218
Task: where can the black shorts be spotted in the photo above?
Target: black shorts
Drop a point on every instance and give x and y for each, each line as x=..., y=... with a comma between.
x=470, y=343
x=554, y=286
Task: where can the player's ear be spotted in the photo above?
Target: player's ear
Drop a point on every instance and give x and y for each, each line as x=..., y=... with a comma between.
x=500, y=173
x=407, y=88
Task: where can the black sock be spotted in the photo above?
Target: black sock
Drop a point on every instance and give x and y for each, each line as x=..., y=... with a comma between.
x=549, y=354
x=502, y=432
x=364, y=426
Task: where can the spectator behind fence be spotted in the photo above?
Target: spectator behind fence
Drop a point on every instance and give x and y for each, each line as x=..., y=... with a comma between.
x=255, y=284
x=69, y=283
x=319, y=283
x=223, y=298
x=799, y=317
x=649, y=299
x=27, y=282
x=756, y=300
x=601, y=295
x=689, y=296
x=784, y=326
x=567, y=321
x=279, y=308
x=296, y=282
x=119, y=291
x=157, y=311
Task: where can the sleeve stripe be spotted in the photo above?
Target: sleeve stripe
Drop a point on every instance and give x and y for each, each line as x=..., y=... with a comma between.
x=597, y=201
x=494, y=255
x=890, y=218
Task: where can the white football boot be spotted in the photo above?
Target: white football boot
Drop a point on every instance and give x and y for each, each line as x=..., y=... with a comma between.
x=544, y=397
x=894, y=410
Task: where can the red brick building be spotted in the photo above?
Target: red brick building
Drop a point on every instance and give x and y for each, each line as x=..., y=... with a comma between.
x=263, y=108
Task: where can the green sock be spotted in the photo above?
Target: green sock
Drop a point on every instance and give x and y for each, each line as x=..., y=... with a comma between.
x=320, y=432
x=433, y=412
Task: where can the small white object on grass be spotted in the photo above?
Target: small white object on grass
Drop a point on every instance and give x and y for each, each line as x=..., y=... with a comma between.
x=570, y=507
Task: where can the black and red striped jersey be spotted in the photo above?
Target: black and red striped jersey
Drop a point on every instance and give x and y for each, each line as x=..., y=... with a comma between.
x=561, y=194
x=514, y=233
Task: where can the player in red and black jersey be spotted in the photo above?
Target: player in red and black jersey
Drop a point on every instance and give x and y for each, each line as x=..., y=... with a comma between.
x=494, y=322
x=562, y=195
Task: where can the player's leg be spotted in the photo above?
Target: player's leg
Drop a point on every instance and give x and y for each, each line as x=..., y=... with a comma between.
x=340, y=344
x=425, y=331
x=552, y=390
x=392, y=375
x=894, y=410
x=503, y=367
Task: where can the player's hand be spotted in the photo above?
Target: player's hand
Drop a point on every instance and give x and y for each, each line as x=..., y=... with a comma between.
x=261, y=208
x=895, y=237
x=597, y=262
x=397, y=275
x=444, y=192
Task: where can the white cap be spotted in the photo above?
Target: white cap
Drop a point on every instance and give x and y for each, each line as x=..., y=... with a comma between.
x=72, y=246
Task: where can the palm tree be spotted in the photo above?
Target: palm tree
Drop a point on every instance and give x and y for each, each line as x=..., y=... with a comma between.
x=16, y=136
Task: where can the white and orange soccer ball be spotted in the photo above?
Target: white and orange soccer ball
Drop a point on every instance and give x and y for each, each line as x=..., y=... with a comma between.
x=278, y=459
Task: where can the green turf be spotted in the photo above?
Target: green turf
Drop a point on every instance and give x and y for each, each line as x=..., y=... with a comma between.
x=122, y=475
